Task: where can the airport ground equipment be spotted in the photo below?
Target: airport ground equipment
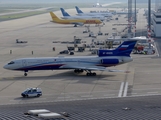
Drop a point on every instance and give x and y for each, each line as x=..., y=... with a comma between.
x=116, y=18
x=99, y=32
x=91, y=34
x=65, y=114
x=71, y=48
x=77, y=40
x=17, y=41
x=140, y=49
x=48, y=116
x=81, y=48
x=64, y=52
x=87, y=29
x=32, y=92
x=106, y=33
x=71, y=53
x=38, y=111
x=109, y=44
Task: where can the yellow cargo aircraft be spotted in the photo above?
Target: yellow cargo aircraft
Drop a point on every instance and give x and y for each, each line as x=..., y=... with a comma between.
x=76, y=22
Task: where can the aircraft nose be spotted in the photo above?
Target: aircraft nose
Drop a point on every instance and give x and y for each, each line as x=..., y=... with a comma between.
x=5, y=67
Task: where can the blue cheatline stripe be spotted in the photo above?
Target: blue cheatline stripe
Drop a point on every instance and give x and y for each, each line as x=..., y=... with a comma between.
x=53, y=63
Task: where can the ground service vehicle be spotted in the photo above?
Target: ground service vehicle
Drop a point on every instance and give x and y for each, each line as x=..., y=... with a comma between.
x=32, y=92
x=64, y=52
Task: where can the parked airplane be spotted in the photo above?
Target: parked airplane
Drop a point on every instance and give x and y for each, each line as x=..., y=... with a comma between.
x=67, y=16
x=76, y=22
x=105, y=58
x=80, y=13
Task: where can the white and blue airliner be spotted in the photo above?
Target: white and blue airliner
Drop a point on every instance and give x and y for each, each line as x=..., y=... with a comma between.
x=67, y=16
x=80, y=13
x=105, y=58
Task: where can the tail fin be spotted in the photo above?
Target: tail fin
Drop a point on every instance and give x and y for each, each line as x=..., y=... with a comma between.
x=64, y=12
x=124, y=49
x=53, y=16
x=78, y=10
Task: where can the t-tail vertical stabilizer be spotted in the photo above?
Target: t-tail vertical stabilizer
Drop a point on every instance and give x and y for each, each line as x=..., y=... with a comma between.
x=124, y=49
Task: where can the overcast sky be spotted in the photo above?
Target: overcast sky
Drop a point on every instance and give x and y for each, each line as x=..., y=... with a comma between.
x=65, y=1
x=58, y=1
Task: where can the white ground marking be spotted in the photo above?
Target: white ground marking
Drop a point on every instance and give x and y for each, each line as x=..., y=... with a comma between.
x=121, y=89
x=125, y=90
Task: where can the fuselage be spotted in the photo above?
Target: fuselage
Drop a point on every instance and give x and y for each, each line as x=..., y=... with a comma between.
x=53, y=63
x=83, y=21
x=84, y=17
x=94, y=14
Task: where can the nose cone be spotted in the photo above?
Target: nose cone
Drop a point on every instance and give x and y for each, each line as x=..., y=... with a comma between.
x=6, y=67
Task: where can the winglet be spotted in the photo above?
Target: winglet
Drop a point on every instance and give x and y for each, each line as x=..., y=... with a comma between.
x=78, y=10
x=53, y=16
x=64, y=13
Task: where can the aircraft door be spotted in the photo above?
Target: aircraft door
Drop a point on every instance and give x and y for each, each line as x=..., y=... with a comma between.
x=24, y=63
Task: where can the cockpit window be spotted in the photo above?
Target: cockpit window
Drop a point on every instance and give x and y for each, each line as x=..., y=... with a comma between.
x=11, y=63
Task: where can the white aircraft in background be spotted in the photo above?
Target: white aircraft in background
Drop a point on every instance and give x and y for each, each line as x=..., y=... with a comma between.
x=97, y=4
x=80, y=13
x=105, y=58
x=67, y=16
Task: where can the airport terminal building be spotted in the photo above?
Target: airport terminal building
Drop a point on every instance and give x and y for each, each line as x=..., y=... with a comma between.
x=157, y=23
x=156, y=19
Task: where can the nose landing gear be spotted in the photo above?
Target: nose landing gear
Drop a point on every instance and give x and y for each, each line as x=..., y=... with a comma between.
x=25, y=72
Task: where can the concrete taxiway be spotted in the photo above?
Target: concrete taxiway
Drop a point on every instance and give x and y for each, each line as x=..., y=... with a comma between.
x=64, y=85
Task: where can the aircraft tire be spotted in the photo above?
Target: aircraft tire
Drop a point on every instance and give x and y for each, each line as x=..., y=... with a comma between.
x=25, y=74
x=24, y=96
x=88, y=74
x=93, y=74
x=76, y=71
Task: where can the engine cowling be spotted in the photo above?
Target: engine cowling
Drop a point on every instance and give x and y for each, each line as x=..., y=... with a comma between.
x=109, y=61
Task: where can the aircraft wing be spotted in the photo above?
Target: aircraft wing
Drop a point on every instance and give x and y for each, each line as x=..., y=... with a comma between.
x=77, y=23
x=92, y=68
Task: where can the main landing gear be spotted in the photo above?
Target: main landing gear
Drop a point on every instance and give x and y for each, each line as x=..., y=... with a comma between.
x=89, y=73
x=75, y=25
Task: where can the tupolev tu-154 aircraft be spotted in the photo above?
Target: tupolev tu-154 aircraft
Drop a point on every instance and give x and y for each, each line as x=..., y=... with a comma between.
x=105, y=58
